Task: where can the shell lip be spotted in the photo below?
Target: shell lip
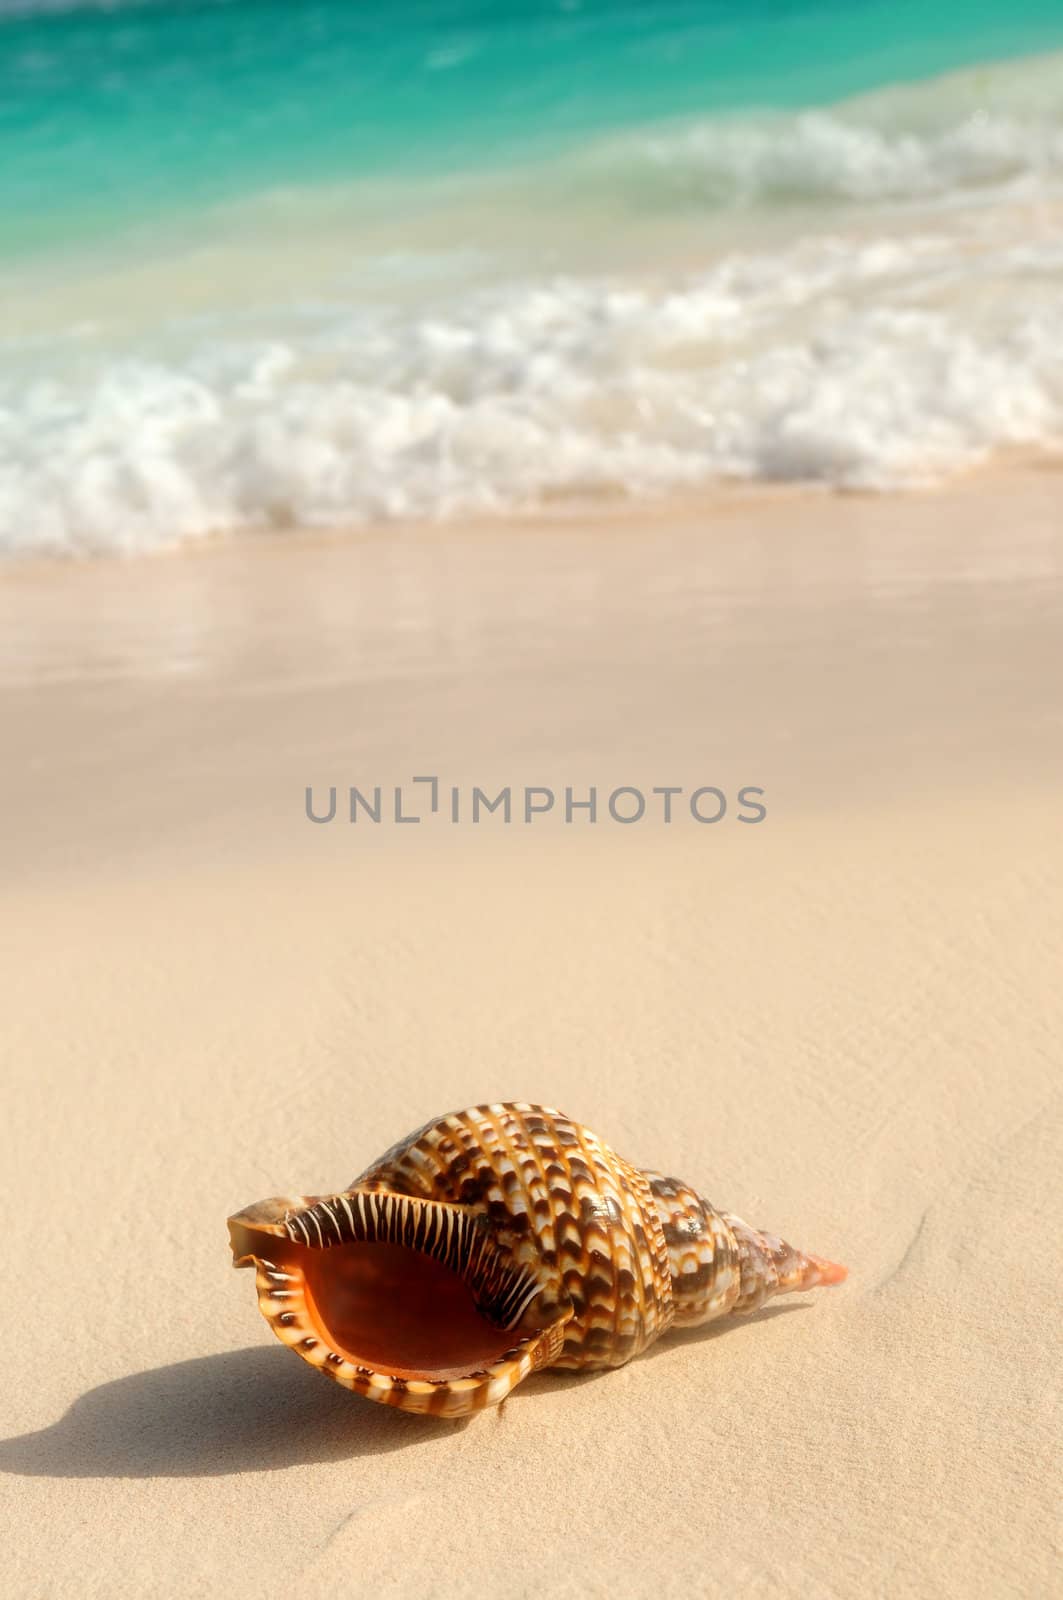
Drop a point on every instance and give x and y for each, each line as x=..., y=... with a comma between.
x=250, y=1227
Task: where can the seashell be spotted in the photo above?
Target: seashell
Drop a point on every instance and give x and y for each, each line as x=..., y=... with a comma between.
x=494, y=1242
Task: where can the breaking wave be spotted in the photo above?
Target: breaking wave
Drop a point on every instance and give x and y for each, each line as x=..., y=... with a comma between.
x=871, y=350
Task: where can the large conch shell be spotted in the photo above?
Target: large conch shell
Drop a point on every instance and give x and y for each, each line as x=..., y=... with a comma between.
x=494, y=1242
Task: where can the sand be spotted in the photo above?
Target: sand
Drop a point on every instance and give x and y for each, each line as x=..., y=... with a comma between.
x=842, y=1022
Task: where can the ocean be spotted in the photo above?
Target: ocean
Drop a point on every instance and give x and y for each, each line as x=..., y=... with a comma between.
x=311, y=263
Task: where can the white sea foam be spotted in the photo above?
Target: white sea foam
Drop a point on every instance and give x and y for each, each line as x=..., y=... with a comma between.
x=872, y=350
x=974, y=130
x=817, y=156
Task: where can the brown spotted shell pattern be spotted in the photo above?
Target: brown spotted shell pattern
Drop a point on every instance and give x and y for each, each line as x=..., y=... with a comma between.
x=494, y=1242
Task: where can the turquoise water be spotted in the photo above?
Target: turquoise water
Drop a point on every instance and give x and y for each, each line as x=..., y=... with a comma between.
x=108, y=116
x=303, y=263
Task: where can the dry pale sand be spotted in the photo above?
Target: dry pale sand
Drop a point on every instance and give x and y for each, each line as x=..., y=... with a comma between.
x=843, y=1023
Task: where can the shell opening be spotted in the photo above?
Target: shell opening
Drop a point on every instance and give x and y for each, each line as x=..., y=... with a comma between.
x=372, y=1283
x=392, y=1309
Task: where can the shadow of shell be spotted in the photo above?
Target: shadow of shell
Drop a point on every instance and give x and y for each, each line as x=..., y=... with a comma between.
x=251, y=1410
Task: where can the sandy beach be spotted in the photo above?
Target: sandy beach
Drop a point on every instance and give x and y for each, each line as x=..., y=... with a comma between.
x=842, y=1022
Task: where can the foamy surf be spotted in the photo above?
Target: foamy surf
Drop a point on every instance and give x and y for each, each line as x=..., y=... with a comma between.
x=984, y=129
x=909, y=325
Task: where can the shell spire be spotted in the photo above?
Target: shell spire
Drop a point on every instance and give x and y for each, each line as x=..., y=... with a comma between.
x=493, y=1242
x=720, y=1264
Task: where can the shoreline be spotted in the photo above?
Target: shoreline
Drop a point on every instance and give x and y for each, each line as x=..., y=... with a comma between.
x=1023, y=467
x=1005, y=471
